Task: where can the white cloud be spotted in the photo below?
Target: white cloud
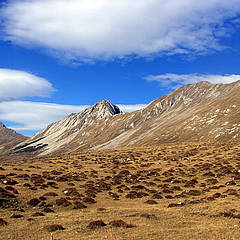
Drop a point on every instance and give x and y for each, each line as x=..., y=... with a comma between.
x=18, y=84
x=175, y=80
x=131, y=108
x=89, y=30
x=32, y=116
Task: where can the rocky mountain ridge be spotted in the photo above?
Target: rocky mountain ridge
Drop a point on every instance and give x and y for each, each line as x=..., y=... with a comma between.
x=9, y=138
x=62, y=132
x=195, y=112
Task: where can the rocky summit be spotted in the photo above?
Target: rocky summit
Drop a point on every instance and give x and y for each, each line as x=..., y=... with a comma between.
x=9, y=138
x=57, y=135
x=195, y=112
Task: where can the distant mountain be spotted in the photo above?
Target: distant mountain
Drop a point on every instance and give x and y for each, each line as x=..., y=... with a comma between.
x=9, y=138
x=195, y=112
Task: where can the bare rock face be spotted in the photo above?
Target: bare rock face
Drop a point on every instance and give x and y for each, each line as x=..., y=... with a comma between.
x=195, y=112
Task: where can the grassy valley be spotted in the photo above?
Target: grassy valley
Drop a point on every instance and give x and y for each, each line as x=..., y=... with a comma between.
x=171, y=191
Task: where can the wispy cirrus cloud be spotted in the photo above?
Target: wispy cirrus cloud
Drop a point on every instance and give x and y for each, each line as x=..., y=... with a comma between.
x=173, y=81
x=16, y=84
x=33, y=116
x=89, y=30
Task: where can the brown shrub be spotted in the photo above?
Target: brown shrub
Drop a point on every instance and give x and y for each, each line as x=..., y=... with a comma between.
x=96, y=224
x=151, y=202
x=176, y=204
x=149, y=216
x=194, y=192
x=78, y=205
x=60, y=201
x=53, y=227
x=120, y=223
x=33, y=202
x=38, y=214
x=14, y=215
x=157, y=196
x=3, y=222
x=212, y=181
x=50, y=194
x=47, y=210
x=89, y=200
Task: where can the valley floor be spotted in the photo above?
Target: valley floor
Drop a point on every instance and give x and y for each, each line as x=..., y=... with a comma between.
x=184, y=191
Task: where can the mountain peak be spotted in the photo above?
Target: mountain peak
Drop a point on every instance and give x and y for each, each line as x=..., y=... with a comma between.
x=9, y=138
x=103, y=109
x=66, y=130
x=103, y=101
x=2, y=125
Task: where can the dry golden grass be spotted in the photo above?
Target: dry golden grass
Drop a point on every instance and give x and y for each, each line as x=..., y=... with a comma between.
x=196, y=187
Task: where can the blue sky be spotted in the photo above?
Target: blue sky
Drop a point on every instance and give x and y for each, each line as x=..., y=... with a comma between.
x=59, y=56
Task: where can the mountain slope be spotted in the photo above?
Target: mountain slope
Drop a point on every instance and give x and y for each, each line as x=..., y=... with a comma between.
x=195, y=112
x=61, y=133
x=9, y=138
